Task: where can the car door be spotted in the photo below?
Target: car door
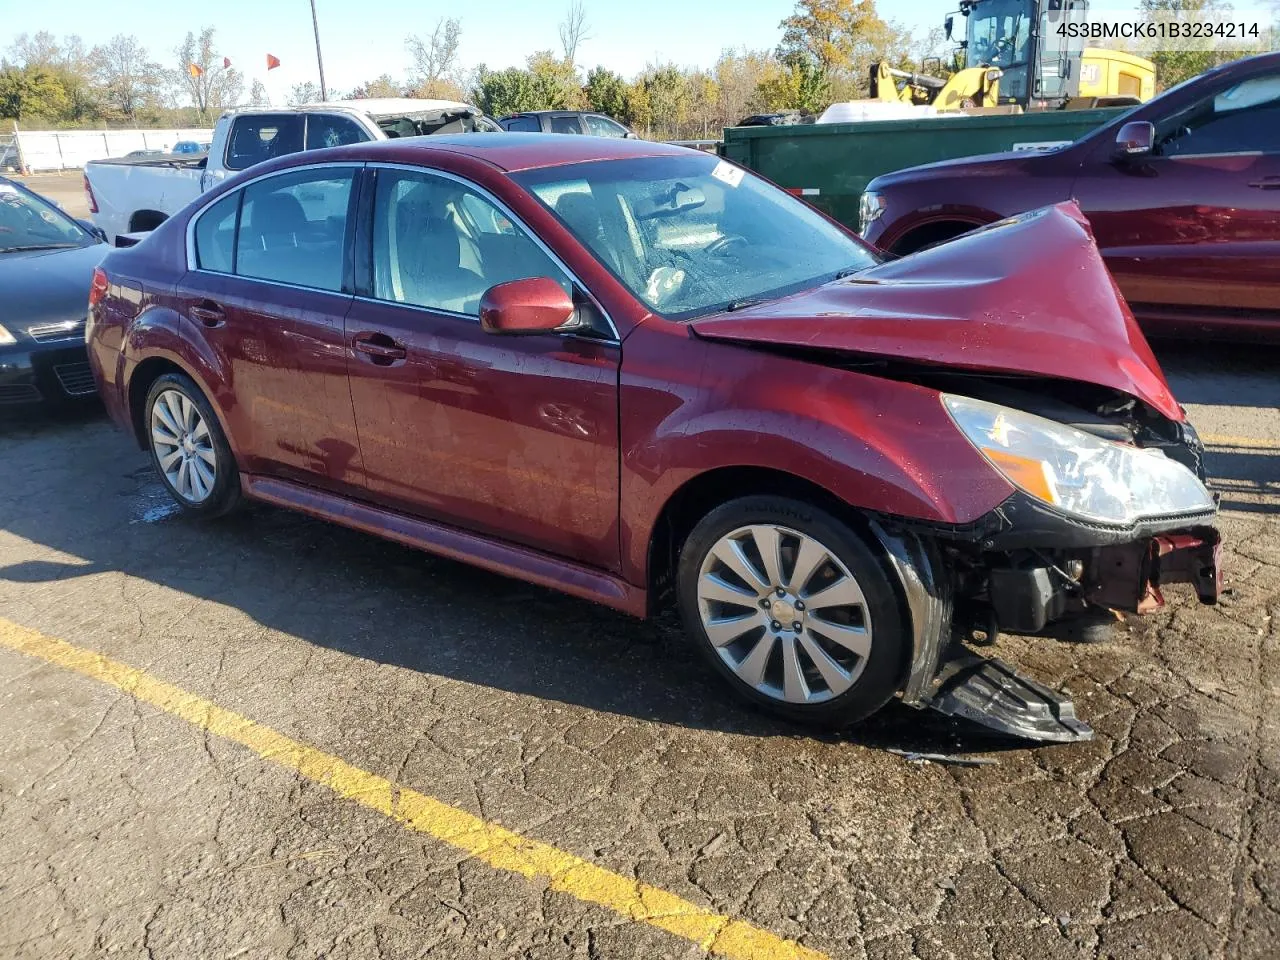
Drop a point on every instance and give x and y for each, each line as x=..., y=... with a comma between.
x=565, y=123
x=515, y=437
x=266, y=303
x=1192, y=233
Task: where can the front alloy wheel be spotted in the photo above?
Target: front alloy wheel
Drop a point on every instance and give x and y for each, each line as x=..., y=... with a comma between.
x=794, y=608
x=784, y=613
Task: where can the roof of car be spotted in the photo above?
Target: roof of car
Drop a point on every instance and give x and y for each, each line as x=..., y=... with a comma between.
x=376, y=107
x=525, y=151
x=540, y=113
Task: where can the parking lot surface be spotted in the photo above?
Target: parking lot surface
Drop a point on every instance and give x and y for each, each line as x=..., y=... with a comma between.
x=271, y=737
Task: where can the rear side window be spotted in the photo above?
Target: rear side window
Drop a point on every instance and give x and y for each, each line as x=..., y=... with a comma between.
x=565, y=124
x=293, y=228
x=604, y=127
x=258, y=137
x=522, y=124
x=326, y=130
x=216, y=234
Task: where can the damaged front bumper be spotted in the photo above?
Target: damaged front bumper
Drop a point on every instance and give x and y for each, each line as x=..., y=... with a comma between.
x=1023, y=568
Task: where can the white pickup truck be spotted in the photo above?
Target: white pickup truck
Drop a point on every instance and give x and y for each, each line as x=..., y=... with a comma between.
x=134, y=195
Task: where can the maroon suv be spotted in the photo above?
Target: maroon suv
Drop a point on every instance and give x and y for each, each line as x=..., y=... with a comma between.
x=626, y=369
x=1183, y=194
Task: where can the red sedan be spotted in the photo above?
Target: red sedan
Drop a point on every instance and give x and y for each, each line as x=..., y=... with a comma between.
x=632, y=371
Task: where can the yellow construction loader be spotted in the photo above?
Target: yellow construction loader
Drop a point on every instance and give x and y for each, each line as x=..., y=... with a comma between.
x=1016, y=54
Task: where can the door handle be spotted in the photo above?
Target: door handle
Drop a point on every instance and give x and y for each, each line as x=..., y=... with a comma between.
x=208, y=313
x=380, y=348
x=1267, y=183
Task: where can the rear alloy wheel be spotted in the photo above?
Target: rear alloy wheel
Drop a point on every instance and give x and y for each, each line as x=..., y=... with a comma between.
x=188, y=448
x=792, y=607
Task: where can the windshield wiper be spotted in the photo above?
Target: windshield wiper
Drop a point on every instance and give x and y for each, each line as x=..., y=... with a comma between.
x=742, y=304
x=848, y=272
x=40, y=246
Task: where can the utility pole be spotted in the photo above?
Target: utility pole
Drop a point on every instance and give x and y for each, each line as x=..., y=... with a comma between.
x=315, y=25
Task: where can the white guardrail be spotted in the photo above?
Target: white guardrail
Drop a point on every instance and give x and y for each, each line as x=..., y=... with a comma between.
x=70, y=149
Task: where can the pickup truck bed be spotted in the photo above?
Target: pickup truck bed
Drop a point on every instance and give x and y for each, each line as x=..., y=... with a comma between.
x=130, y=194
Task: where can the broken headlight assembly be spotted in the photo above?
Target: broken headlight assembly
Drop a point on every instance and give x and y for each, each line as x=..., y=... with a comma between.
x=1080, y=475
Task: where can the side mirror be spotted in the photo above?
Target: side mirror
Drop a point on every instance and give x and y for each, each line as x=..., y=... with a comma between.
x=1137, y=138
x=529, y=306
x=948, y=24
x=93, y=228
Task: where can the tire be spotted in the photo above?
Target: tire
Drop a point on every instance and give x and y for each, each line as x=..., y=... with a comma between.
x=867, y=639
x=177, y=411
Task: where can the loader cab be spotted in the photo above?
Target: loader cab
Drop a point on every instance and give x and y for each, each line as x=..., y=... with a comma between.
x=1039, y=60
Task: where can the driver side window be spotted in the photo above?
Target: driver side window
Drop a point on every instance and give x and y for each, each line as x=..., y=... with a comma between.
x=1244, y=118
x=441, y=245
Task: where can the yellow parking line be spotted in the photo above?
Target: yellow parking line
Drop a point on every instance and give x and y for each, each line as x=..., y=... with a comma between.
x=1246, y=443
x=488, y=842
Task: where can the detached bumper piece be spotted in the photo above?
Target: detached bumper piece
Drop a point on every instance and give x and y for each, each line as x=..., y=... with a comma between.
x=985, y=691
x=991, y=693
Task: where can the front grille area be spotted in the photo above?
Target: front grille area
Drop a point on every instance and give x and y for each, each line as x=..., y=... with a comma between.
x=18, y=393
x=76, y=379
x=53, y=332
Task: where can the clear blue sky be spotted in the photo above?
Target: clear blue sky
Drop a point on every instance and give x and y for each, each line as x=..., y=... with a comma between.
x=364, y=38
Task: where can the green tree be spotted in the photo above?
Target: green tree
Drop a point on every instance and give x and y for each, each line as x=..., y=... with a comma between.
x=1177, y=61
x=606, y=92
x=667, y=95
x=32, y=94
x=501, y=92
x=555, y=82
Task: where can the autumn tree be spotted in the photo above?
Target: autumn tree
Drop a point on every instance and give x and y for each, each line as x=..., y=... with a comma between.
x=211, y=86
x=383, y=86
x=435, y=71
x=573, y=30
x=129, y=79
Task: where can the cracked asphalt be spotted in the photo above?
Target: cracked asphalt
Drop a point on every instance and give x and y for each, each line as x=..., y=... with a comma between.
x=127, y=831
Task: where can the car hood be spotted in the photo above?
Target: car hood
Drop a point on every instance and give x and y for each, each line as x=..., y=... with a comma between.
x=1028, y=295
x=47, y=286
x=980, y=165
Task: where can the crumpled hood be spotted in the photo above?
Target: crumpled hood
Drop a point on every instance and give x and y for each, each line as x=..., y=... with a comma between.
x=1027, y=295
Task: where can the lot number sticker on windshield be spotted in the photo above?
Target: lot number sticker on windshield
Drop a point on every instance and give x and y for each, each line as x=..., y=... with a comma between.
x=728, y=173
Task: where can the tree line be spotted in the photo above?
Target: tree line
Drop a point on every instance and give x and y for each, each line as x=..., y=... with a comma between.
x=824, y=55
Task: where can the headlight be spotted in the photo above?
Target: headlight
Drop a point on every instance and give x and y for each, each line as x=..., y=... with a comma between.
x=869, y=208
x=1081, y=475
x=6, y=337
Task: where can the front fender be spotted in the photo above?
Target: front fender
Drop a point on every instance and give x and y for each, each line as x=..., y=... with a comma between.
x=881, y=446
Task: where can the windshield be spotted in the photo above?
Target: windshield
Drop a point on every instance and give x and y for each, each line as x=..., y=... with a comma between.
x=27, y=223
x=999, y=35
x=692, y=235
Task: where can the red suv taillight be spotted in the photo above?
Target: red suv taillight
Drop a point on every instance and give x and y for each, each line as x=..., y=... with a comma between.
x=88, y=195
x=98, y=289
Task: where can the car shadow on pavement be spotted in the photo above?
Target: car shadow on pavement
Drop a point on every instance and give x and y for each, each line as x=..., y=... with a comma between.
x=373, y=599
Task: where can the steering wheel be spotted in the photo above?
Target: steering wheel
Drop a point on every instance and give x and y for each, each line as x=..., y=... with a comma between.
x=718, y=247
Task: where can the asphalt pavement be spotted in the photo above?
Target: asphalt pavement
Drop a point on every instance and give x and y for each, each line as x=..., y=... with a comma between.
x=269, y=737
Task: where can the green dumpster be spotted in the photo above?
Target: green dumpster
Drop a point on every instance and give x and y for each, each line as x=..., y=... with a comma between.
x=831, y=164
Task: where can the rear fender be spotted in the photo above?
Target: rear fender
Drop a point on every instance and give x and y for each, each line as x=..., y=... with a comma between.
x=156, y=333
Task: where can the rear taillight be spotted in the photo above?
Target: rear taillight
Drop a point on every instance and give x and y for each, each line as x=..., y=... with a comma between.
x=98, y=289
x=88, y=195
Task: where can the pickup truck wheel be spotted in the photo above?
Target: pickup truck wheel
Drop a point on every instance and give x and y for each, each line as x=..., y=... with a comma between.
x=188, y=448
x=793, y=608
